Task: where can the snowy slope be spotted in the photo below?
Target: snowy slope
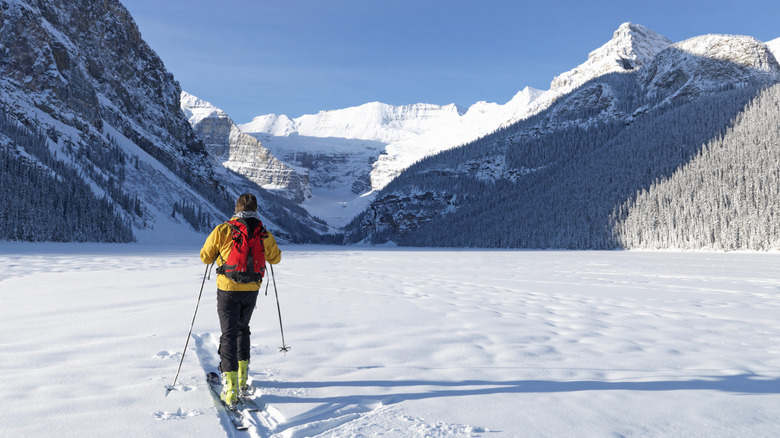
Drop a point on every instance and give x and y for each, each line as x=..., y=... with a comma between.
x=774, y=47
x=371, y=121
x=456, y=344
x=239, y=152
x=352, y=152
x=631, y=47
x=408, y=133
x=706, y=64
x=480, y=119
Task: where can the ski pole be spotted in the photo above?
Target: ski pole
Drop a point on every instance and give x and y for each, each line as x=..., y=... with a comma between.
x=285, y=348
x=170, y=388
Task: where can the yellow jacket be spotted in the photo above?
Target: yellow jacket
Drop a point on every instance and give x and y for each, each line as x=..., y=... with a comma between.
x=220, y=241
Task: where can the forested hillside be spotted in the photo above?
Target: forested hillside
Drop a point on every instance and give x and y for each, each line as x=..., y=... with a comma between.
x=727, y=197
x=43, y=199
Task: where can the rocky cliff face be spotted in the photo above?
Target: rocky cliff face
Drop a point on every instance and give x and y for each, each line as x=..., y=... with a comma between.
x=79, y=72
x=241, y=152
x=84, y=62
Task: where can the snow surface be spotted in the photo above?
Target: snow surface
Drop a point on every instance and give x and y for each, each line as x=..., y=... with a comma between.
x=774, y=47
x=339, y=205
x=397, y=343
x=738, y=49
x=195, y=109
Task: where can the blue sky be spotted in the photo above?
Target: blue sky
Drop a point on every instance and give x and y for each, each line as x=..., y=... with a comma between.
x=294, y=57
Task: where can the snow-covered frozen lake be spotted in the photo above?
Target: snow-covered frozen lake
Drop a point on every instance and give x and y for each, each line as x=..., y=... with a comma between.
x=397, y=343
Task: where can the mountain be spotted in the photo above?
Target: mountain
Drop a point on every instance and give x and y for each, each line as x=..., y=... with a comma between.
x=706, y=64
x=647, y=144
x=93, y=131
x=239, y=152
x=566, y=176
x=631, y=47
x=349, y=154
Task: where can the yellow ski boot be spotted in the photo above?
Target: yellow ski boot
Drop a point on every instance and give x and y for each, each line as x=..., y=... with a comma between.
x=243, y=374
x=229, y=393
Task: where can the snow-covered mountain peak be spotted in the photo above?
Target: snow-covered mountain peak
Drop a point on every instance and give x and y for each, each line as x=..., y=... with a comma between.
x=196, y=109
x=741, y=50
x=709, y=63
x=240, y=152
x=634, y=42
x=271, y=124
x=374, y=121
x=524, y=98
x=631, y=47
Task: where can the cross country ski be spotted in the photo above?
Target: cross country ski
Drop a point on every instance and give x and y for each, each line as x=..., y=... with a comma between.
x=235, y=414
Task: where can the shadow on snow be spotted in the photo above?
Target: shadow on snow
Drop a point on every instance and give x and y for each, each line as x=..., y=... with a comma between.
x=737, y=384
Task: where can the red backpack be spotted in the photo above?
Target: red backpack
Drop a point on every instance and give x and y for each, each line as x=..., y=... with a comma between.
x=246, y=261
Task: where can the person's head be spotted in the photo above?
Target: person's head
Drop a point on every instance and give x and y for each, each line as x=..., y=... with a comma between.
x=246, y=202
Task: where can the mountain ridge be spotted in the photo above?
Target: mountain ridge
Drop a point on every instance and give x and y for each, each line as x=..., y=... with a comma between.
x=230, y=147
x=540, y=163
x=90, y=112
x=88, y=104
x=314, y=138
x=364, y=147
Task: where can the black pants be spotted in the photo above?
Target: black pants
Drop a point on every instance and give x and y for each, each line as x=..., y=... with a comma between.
x=235, y=310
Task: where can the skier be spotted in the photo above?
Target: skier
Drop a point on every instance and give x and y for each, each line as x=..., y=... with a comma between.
x=238, y=247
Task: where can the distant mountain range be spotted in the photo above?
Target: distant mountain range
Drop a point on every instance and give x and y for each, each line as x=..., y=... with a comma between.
x=613, y=155
x=344, y=156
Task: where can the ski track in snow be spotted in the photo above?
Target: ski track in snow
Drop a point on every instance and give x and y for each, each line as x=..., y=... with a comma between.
x=397, y=343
